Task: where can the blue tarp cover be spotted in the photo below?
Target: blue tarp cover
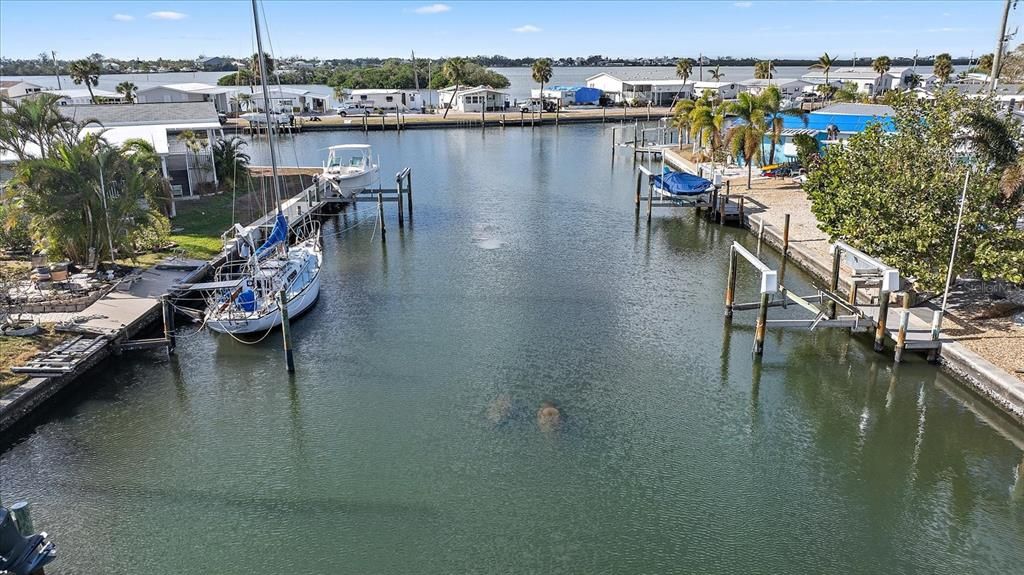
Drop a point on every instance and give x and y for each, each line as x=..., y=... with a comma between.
x=277, y=235
x=682, y=184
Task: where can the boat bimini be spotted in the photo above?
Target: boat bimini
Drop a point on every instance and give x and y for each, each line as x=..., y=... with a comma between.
x=349, y=169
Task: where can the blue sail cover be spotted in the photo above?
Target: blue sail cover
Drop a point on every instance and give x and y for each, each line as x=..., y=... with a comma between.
x=277, y=235
x=683, y=184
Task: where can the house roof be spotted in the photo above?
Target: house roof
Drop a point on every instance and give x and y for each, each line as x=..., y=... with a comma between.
x=12, y=83
x=634, y=76
x=715, y=85
x=851, y=109
x=368, y=91
x=173, y=114
x=83, y=93
x=764, y=82
x=843, y=74
x=192, y=88
x=464, y=90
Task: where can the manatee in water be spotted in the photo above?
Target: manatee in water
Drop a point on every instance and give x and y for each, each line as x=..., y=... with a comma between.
x=500, y=409
x=548, y=416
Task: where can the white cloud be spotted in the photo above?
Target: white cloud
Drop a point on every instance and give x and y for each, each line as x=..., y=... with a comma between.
x=526, y=29
x=123, y=17
x=743, y=4
x=167, y=15
x=433, y=9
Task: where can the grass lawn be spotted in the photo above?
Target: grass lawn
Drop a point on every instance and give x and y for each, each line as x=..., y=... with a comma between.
x=16, y=350
x=199, y=224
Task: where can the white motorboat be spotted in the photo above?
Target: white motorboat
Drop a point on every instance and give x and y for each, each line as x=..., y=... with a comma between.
x=248, y=296
x=349, y=169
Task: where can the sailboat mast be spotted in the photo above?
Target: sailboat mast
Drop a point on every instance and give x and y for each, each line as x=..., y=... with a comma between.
x=266, y=105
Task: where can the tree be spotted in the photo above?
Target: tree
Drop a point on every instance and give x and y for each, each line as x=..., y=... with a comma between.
x=943, y=67
x=707, y=118
x=454, y=72
x=770, y=103
x=684, y=67
x=681, y=118
x=745, y=136
x=880, y=65
x=806, y=150
x=717, y=74
x=847, y=93
x=872, y=193
x=86, y=72
x=254, y=66
x=240, y=77
x=231, y=162
x=824, y=63
x=984, y=65
x=764, y=70
x=914, y=82
x=36, y=121
x=127, y=89
x=88, y=196
x=541, y=72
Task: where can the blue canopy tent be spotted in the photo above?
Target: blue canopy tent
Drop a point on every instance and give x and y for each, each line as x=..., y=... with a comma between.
x=682, y=185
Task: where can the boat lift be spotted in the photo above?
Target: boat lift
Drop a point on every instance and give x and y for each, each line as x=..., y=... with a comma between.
x=829, y=308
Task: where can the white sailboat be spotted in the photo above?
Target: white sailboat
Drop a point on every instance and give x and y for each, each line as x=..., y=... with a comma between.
x=246, y=298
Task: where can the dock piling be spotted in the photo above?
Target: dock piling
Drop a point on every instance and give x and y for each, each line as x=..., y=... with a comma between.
x=730, y=284
x=380, y=215
x=883, y=314
x=639, y=180
x=833, y=285
x=650, y=199
x=760, y=328
x=23, y=518
x=168, y=312
x=785, y=250
x=901, y=333
x=286, y=330
x=760, y=236
x=408, y=197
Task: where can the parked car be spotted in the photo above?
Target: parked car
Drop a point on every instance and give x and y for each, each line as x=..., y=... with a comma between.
x=533, y=105
x=350, y=110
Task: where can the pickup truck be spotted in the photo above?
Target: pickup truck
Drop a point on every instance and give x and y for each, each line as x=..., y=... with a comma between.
x=350, y=110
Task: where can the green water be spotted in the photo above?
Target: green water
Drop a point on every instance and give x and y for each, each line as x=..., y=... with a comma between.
x=408, y=441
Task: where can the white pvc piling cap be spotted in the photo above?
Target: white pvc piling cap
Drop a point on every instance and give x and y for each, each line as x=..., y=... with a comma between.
x=769, y=281
x=891, y=280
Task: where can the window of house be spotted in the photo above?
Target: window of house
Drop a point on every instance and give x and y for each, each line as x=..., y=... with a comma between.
x=389, y=99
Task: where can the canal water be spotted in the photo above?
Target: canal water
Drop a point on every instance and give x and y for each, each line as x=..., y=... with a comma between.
x=408, y=440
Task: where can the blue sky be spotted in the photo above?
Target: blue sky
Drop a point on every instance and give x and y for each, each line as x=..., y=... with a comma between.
x=349, y=29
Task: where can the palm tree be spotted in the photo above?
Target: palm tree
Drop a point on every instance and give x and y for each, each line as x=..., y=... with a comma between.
x=764, y=70
x=914, y=81
x=127, y=89
x=85, y=72
x=454, y=72
x=684, y=67
x=681, y=118
x=231, y=162
x=984, y=64
x=745, y=137
x=771, y=105
x=717, y=75
x=36, y=121
x=74, y=210
x=880, y=65
x=706, y=121
x=254, y=66
x=943, y=67
x=541, y=73
x=824, y=63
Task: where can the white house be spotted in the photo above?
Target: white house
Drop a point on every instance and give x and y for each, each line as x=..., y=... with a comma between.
x=291, y=100
x=18, y=88
x=625, y=86
x=82, y=97
x=385, y=99
x=867, y=80
x=723, y=90
x=788, y=87
x=474, y=99
x=187, y=92
x=561, y=97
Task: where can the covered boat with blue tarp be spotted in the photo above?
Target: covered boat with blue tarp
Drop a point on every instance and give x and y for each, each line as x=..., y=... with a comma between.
x=683, y=187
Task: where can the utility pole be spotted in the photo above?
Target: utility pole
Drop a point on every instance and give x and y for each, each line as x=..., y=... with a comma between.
x=56, y=69
x=700, y=63
x=415, y=73
x=997, y=58
x=915, y=61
